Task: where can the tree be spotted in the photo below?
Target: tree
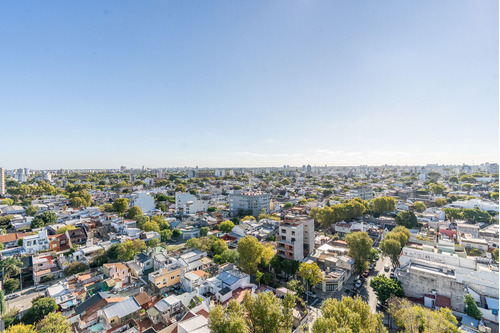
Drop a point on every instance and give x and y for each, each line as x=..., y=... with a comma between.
x=360, y=245
x=43, y=219
x=230, y=319
x=41, y=306
x=414, y=318
x=419, y=206
x=441, y=202
x=285, y=181
x=267, y=313
x=180, y=188
x=311, y=274
x=494, y=254
x=129, y=249
x=65, y=228
x=10, y=285
x=347, y=315
x=153, y=242
x=407, y=219
x=133, y=212
x=385, y=287
x=229, y=256
x=250, y=251
x=20, y=328
x=437, y=188
x=3, y=305
x=176, y=233
x=32, y=210
x=494, y=196
x=204, y=231
x=54, y=323
x=74, y=268
x=8, y=202
x=11, y=266
x=266, y=256
x=120, y=205
x=151, y=226
x=471, y=308
x=288, y=205
x=383, y=204
x=392, y=249
x=296, y=285
x=226, y=226
x=165, y=235
x=80, y=199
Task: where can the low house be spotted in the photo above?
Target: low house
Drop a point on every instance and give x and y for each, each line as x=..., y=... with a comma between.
x=46, y=268
x=120, y=312
x=166, y=277
x=116, y=271
x=77, y=236
x=12, y=240
x=59, y=242
x=36, y=243
x=143, y=300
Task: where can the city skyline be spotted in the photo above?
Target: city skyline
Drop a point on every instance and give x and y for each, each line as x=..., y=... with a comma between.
x=98, y=85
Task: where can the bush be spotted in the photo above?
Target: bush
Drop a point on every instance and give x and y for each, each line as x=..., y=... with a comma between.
x=74, y=268
x=10, y=285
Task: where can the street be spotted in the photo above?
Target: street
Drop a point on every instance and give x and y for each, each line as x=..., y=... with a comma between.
x=23, y=302
x=365, y=292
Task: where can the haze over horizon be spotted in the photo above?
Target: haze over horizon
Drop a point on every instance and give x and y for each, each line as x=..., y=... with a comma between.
x=93, y=85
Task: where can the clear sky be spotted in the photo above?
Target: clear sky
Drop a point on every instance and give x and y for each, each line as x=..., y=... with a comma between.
x=99, y=84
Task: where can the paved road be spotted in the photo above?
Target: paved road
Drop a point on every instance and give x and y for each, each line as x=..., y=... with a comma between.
x=23, y=302
x=366, y=292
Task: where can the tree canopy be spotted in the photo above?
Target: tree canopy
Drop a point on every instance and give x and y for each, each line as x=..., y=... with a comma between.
x=360, y=245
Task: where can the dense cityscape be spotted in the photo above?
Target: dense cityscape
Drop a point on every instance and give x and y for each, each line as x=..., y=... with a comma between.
x=289, y=249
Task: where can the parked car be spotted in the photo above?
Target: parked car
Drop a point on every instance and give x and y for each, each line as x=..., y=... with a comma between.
x=358, y=283
x=365, y=274
x=41, y=287
x=11, y=296
x=392, y=276
x=352, y=292
x=387, y=268
x=372, y=266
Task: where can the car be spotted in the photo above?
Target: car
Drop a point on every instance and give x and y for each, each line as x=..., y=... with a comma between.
x=11, y=296
x=392, y=276
x=358, y=283
x=365, y=274
x=352, y=292
x=347, y=291
x=41, y=287
x=372, y=266
x=387, y=268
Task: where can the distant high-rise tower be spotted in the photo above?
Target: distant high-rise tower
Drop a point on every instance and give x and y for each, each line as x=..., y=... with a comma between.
x=2, y=181
x=309, y=169
x=123, y=168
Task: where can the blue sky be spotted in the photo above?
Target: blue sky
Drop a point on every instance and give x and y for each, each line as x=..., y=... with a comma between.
x=99, y=84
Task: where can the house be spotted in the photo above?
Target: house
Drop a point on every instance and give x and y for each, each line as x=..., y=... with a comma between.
x=143, y=300
x=36, y=243
x=116, y=271
x=12, y=240
x=45, y=268
x=87, y=312
x=166, y=277
x=141, y=263
x=164, y=309
x=59, y=242
x=77, y=236
x=120, y=312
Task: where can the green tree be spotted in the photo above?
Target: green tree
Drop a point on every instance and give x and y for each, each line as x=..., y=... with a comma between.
x=165, y=235
x=162, y=223
x=120, y=205
x=392, y=249
x=471, y=308
x=74, y=268
x=54, y=323
x=250, y=251
x=437, y=188
x=151, y=226
x=8, y=202
x=407, y=219
x=41, y=307
x=180, y=188
x=153, y=242
x=65, y=228
x=441, y=202
x=129, y=249
x=385, y=287
x=230, y=256
x=285, y=181
x=494, y=254
x=134, y=212
x=360, y=245
x=419, y=206
x=204, y=231
x=414, y=318
x=226, y=226
x=267, y=313
x=11, y=266
x=347, y=315
x=176, y=233
x=43, y=219
x=80, y=199
x=229, y=319
x=3, y=305
x=32, y=210
x=383, y=204
x=10, y=285
x=288, y=205
x=311, y=274
x=20, y=328
x=296, y=285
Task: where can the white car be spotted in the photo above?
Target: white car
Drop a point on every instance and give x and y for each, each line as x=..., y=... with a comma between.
x=387, y=268
x=11, y=296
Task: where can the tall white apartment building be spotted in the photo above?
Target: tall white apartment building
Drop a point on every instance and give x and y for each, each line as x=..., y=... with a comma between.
x=144, y=201
x=2, y=181
x=364, y=192
x=295, y=237
x=247, y=200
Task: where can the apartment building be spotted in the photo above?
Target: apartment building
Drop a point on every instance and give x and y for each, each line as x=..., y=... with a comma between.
x=363, y=192
x=295, y=237
x=247, y=200
x=2, y=181
x=36, y=243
